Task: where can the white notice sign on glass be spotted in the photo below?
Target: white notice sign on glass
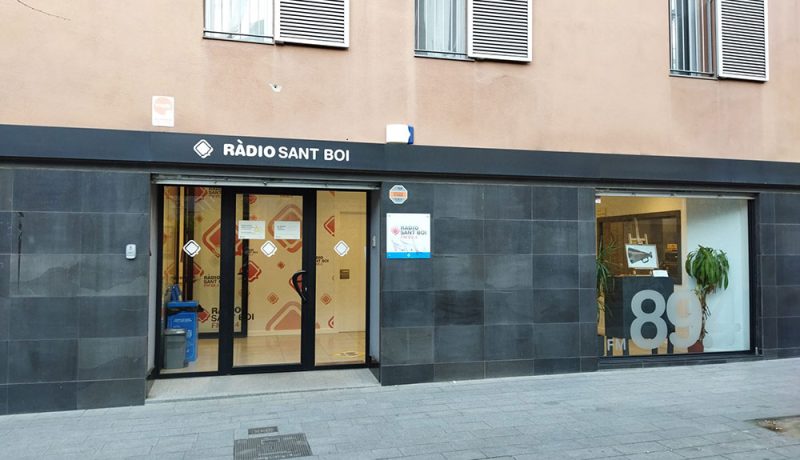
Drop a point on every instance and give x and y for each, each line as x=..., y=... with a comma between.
x=286, y=230
x=252, y=230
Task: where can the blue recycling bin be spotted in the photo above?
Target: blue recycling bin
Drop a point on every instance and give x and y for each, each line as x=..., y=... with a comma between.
x=183, y=315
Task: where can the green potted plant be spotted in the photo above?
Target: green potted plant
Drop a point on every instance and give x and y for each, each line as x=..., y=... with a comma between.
x=604, y=273
x=709, y=267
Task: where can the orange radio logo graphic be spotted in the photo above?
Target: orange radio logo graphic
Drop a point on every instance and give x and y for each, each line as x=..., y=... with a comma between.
x=330, y=225
x=288, y=318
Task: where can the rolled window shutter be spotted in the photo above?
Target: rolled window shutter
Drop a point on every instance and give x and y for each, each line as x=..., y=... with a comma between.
x=742, y=49
x=499, y=29
x=313, y=22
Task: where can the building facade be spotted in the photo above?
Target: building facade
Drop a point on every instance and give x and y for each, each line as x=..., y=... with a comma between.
x=436, y=190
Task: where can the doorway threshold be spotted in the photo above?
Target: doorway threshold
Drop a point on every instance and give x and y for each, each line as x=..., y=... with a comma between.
x=233, y=386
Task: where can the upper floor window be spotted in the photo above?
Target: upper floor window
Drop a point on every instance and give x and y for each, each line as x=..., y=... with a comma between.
x=247, y=20
x=692, y=37
x=442, y=28
x=722, y=38
x=309, y=22
x=479, y=29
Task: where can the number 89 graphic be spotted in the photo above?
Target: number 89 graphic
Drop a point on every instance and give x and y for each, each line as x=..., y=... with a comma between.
x=690, y=319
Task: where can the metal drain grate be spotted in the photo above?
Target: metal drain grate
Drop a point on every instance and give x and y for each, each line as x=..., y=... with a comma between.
x=272, y=447
x=262, y=430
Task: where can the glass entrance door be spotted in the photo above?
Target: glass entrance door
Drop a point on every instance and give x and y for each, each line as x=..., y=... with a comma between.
x=262, y=280
x=268, y=310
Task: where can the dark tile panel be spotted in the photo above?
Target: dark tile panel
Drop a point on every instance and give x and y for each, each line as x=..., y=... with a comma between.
x=407, y=275
x=587, y=239
x=766, y=207
x=109, y=233
x=4, y=323
x=589, y=340
x=586, y=203
x=112, y=358
x=787, y=300
x=769, y=301
x=788, y=353
x=506, y=342
x=6, y=189
x=42, y=275
x=767, y=239
x=787, y=239
x=508, y=307
x=496, y=369
x=787, y=208
x=787, y=270
x=767, y=270
x=556, y=306
x=507, y=202
x=457, y=236
x=508, y=236
x=43, y=318
x=458, y=272
x=110, y=393
x=400, y=375
x=458, y=308
x=113, y=275
x=556, y=340
x=3, y=399
x=555, y=203
x=407, y=308
x=555, y=271
x=5, y=275
x=458, y=200
x=33, y=361
x=47, y=233
x=555, y=237
x=587, y=271
x=47, y=190
x=789, y=332
x=556, y=366
x=420, y=198
x=123, y=316
x=769, y=328
x=458, y=371
x=107, y=191
x=587, y=305
x=509, y=272
x=42, y=397
x=3, y=362
x=7, y=234
x=588, y=364
x=406, y=345
x=454, y=344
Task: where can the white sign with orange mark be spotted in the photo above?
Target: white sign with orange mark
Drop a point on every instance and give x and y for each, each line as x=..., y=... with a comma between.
x=408, y=236
x=163, y=109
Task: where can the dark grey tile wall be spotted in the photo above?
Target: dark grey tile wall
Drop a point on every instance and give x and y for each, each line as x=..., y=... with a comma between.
x=509, y=289
x=73, y=310
x=779, y=273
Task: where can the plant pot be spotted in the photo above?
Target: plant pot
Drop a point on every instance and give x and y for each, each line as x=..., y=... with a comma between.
x=697, y=347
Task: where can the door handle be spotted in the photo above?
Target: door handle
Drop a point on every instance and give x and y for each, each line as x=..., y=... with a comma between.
x=299, y=285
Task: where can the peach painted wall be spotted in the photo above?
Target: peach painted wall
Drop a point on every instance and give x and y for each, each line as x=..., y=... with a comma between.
x=599, y=81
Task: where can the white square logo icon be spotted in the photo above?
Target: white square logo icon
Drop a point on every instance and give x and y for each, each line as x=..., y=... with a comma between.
x=191, y=248
x=269, y=249
x=203, y=149
x=341, y=248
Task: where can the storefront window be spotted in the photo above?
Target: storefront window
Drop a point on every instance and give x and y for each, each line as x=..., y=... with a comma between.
x=648, y=302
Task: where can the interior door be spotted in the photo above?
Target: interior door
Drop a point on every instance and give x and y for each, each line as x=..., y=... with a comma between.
x=269, y=313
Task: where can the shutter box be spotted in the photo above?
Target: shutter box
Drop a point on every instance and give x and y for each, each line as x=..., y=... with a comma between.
x=742, y=40
x=313, y=22
x=500, y=29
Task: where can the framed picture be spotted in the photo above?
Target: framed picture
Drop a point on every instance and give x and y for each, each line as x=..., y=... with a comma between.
x=641, y=256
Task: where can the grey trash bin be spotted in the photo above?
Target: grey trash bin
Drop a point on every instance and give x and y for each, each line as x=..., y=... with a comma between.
x=175, y=348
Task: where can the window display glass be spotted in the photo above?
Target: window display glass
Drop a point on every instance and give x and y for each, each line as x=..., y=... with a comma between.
x=673, y=275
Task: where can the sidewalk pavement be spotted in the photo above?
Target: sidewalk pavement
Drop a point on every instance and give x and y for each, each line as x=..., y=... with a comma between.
x=658, y=413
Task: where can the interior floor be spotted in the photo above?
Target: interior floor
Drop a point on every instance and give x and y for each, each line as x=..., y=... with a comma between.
x=330, y=349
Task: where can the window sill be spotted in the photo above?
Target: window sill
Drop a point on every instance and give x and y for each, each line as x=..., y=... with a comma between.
x=240, y=39
x=447, y=57
x=695, y=76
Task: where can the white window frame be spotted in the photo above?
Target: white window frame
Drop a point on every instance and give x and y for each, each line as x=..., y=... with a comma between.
x=238, y=37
